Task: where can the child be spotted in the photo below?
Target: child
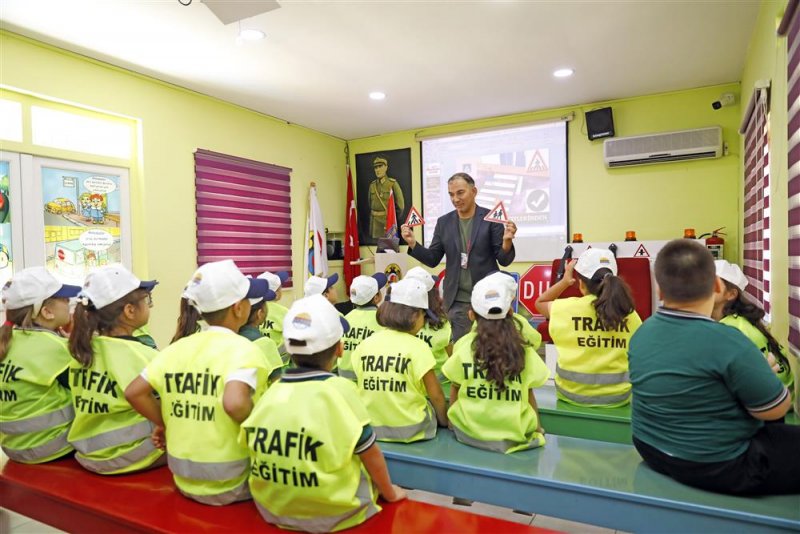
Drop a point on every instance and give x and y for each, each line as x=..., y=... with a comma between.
x=394, y=369
x=273, y=325
x=365, y=294
x=317, y=285
x=37, y=409
x=258, y=313
x=702, y=390
x=329, y=482
x=733, y=308
x=109, y=435
x=492, y=405
x=436, y=332
x=592, y=332
x=207, y=382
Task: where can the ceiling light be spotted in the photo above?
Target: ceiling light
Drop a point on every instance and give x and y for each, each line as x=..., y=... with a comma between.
x=563, y=73
x=250, y=34
x=377, y=95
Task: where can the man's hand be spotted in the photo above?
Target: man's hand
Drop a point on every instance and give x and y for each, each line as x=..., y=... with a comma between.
x=510, y=230
x=408, y=235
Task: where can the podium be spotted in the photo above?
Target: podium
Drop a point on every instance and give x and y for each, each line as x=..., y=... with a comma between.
x=393, y=264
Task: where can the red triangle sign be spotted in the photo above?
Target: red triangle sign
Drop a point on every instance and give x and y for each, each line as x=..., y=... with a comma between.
x=414, y=218
x=641, y=252
x=497, y=214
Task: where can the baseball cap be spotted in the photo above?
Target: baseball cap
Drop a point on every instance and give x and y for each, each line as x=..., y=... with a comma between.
x=315, y=285
x=217, y=285
x=730, y=272
x=110, y=283
x=422, y=275
x=364, y=288
x=276, y=280
x=594, y=259
x=411, y=292
x=492, y=296
x=313, y=320
x=32, y=286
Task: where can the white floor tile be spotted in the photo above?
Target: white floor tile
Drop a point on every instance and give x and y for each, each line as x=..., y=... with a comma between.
x=554, y=523
x=34, y=527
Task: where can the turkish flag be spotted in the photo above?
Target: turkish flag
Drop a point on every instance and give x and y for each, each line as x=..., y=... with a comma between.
x=351, y=251
x=391, y=217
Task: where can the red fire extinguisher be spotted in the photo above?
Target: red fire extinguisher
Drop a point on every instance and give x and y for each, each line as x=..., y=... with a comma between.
x=715, y=243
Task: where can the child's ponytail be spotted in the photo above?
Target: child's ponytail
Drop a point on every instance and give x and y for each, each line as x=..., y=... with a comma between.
x=614, y=301
x=21, y=317
x=498, y=350
x=187, y=321
x=85, y=324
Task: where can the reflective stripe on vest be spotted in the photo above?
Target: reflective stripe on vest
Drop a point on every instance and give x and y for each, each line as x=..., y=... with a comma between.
x=42, y=451
x=112, y=438
x=214, y=471
x=348, y=374
x=593, y=399
x=120, y=462
x=40, y=422
x=239, y=493
x=328, y=523
x=593, y=379
x=499, y=446
x=428, y=425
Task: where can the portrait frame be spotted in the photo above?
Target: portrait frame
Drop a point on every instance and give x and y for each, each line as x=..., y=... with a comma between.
x=399, y=169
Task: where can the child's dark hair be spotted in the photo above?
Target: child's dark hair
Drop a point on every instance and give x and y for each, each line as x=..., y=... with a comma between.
x=754, y=314
x=88, y=320
x=436, y=306
x=189, y=316
x=397, y=316
x=498, y=350
x=685, y=271
x=21, y=317
x=614, y=301
x=318, y=360
x=251, y=319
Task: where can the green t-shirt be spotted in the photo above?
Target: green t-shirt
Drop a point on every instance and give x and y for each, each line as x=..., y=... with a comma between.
x=694, y=383
x=464, y=293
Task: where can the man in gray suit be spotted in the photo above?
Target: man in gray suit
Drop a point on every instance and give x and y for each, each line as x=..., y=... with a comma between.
x=473, y=248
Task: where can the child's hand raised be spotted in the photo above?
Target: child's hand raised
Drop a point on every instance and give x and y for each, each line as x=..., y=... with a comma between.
x=569, y=272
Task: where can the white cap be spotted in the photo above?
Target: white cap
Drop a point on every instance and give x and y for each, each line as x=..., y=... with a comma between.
x=411, y=292
x=730, y=272
x=313, y=320
x=418, y=273
x=275, y=280
x=32, y=286
x=316, y=285
x=110, y=283
x=217, y=285
x=492, y=296
x=364, y=288
x=594, y=259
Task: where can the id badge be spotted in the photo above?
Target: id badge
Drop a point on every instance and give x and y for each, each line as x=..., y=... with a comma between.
x=463, y=260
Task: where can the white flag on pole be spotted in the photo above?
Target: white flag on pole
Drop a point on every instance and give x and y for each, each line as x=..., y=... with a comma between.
x=316, y=263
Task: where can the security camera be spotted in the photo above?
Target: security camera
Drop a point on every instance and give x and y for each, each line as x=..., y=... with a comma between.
x=727, y=99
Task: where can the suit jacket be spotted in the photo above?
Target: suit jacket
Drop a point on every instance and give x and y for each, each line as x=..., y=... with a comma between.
x=486, y=252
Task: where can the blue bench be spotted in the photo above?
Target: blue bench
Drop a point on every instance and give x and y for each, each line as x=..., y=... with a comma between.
x=605, y=484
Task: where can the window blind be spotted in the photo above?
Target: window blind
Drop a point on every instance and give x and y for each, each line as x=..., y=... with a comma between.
x=792, y=22
x=243, y=213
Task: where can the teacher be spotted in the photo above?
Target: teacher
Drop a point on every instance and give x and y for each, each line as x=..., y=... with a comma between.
x=473, y=248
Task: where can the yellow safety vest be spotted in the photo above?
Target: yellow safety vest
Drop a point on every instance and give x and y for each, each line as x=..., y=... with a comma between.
x=528, y=333
x=110, y=437
x=36, y=410
x=207, y=461
x=270, y=352
x=389, y=366
x=592, y=368
x=485, y=417
x=437, y=341
x=363, y=324
x=273, y=326
x=305, y=471
x=760, y=340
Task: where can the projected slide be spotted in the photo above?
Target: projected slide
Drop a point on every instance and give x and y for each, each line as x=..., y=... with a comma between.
x=525, y=167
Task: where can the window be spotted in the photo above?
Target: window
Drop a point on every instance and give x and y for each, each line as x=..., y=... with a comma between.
x=71, y=131
x=243, y=213
x=10, y=120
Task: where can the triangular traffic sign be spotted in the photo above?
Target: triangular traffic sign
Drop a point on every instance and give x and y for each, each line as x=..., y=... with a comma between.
x=641, y=252
x=414, y=218
x=498, y=214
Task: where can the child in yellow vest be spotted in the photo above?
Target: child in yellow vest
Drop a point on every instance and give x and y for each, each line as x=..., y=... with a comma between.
x=436, y=332
x=733, y=308
x=208, y=383
x=493, y=374
x=315, y=464
x=258, y=313
x=592, y=333
x=395, y=369
x=273, y=324
x=365, y=294
x=36, y=405
x=110, y=437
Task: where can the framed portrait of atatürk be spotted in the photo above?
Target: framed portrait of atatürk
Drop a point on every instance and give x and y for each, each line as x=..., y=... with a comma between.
x=379, y=174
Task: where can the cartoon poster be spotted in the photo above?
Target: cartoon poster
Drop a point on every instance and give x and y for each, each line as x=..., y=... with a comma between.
x=81, y=222
x=5, y=224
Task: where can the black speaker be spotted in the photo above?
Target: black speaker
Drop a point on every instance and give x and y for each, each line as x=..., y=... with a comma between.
x=600, y=123
x=335, y=251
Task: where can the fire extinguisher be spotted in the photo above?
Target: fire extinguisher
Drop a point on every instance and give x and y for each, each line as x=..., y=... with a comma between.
x=715, y=243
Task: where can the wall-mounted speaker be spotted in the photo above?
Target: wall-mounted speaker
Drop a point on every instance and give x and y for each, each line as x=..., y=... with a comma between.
x=335, y=250
x=600, y=123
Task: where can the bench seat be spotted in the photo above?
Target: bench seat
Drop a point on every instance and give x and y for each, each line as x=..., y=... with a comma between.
x=606, y=484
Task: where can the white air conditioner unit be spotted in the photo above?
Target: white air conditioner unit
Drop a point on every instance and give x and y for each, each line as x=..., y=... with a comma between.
x=702, y=143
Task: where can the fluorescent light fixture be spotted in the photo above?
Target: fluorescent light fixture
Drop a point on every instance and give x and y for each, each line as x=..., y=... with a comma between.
x=563, y=73
x=251, y=34
x=377, y=95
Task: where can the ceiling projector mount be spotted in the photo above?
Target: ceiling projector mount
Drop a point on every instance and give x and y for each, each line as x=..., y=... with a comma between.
x=228, y=11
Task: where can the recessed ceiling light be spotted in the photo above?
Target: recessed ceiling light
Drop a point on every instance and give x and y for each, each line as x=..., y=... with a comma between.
x=250, y=34
x=563, y=73
x=377, y=95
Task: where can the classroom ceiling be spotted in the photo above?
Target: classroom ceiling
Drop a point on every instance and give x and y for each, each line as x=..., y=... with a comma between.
x=436, y=61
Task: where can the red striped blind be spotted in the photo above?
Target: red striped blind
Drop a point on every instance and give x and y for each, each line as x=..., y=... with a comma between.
x=756, y=203
x=793, y=119
x=243, y=212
